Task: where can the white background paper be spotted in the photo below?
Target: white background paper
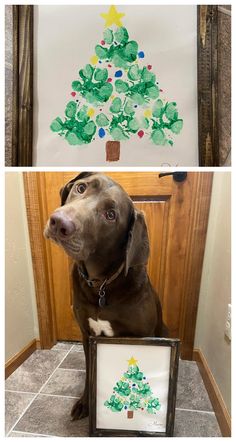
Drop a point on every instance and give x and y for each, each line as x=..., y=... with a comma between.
x=112, y=363
x=65, y=37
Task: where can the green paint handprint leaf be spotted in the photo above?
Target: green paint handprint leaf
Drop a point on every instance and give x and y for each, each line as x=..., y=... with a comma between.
x=87, y=72
x=105, y=92
x=157, y=108
x=102, y=120
x=116, y=105
x=129, y=108
x=101, y=52
x=177, y=126
x=70, y=110
x=101, y=75
x=134, y=72
x=121, y=35
x=108, y=36
x=158, y=137
x=171, y=111
x=152, y=92
x=118, y=134
x=121, y=86
x=130, y=51
x=133, y=125
x=90, y=128
x=76, y=86
x=56, y=125
x=73, y=139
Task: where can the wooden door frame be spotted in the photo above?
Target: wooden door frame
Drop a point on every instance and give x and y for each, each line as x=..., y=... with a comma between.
x=196, y=237
x=23, y=84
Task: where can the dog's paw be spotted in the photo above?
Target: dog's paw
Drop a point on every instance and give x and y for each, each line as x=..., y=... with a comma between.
x=79, y=410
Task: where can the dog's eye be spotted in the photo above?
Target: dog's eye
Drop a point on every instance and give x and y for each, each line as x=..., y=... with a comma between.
x=110, y=215
x=80, y=188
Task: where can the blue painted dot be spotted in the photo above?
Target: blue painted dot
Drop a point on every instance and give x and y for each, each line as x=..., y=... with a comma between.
x=125, y=407
x=101, y=132
x=100, y=61
x=141, y=54
x=118, y=74
x=135, y=105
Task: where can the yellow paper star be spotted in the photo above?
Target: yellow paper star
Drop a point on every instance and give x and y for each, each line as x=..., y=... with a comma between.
x=112, y=17
x=147, y=113
x=132, y=361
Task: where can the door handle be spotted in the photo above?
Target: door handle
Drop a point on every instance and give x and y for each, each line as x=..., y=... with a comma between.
x=177, y=176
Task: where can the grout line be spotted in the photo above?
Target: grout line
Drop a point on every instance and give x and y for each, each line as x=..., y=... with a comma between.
x=34, y=434
x=22, y=414
x=72, y=369
x=195, y=411
x=60, y=395
x=42, y=394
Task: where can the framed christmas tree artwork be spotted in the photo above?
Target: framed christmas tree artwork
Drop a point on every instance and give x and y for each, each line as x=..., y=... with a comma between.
x=124, y=85
x=133, y=386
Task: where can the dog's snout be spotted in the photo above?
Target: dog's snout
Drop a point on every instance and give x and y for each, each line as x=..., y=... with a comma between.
x=61, y=225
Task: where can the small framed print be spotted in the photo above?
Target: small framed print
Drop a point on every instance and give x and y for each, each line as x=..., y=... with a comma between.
x=133, y=386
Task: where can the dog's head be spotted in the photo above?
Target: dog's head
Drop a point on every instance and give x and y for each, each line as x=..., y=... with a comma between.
x=96, y=215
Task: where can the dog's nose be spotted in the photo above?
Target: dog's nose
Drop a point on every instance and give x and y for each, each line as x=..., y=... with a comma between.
x=61, y=225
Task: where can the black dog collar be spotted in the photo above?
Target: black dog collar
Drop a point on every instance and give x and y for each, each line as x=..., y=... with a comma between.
x=101, y=284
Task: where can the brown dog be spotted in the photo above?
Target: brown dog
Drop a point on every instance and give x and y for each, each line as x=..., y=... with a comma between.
x=99, y=227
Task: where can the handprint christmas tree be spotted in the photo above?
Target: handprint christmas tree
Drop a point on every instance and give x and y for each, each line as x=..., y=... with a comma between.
x=117, y=96
x=133, y=392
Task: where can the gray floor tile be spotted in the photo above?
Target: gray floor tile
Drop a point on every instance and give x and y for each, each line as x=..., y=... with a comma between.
x=34, y=372
x=50, y=415
x=75, y=359
x=15, y=404
x=196, y=424
x=66, y=383
x=63, y=346
x=191, y=391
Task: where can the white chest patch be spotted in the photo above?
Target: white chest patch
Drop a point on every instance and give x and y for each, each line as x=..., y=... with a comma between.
x=100, y=326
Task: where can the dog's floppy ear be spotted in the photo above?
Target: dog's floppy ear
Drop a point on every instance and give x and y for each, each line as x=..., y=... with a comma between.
x=64, y=192
x=137, y=250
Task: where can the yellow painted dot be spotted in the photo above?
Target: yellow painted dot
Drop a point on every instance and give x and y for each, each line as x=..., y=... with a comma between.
x=94, y=59
x=91, y=112
x=147, y=113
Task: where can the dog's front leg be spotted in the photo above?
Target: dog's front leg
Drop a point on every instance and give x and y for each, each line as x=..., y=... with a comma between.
x=81, y=407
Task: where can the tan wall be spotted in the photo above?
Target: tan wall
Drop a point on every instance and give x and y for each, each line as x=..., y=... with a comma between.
x=215, y=287
x=21, y=317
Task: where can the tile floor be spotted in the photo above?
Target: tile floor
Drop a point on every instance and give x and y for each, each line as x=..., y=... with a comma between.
x=40, y=393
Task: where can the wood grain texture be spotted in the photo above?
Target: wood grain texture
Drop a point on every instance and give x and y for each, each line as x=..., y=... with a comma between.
x=35, y=205
x=208, y=85
x=215, y=396
x=22, y=137
x=194, y=254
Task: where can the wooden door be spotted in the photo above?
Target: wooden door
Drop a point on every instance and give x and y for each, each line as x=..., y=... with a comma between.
x=176, y=216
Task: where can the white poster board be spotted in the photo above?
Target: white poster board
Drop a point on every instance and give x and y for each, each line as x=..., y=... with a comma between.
x=65, y=38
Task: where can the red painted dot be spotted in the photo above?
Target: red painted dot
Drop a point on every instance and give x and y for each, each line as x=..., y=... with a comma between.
x=109, y=65
x=109, y=80
x=149, y=66
x=102, y=42
x=142, y=409
x=161, y=90
x=73, y=94
x=140, y=133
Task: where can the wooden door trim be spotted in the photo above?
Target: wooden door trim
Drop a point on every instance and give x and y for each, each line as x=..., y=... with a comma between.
x=196, y=239
x=35, y=209
x=198, y=221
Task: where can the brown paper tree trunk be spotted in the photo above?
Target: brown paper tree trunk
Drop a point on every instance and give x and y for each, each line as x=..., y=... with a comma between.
x=112, y=150
x=130, y=414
